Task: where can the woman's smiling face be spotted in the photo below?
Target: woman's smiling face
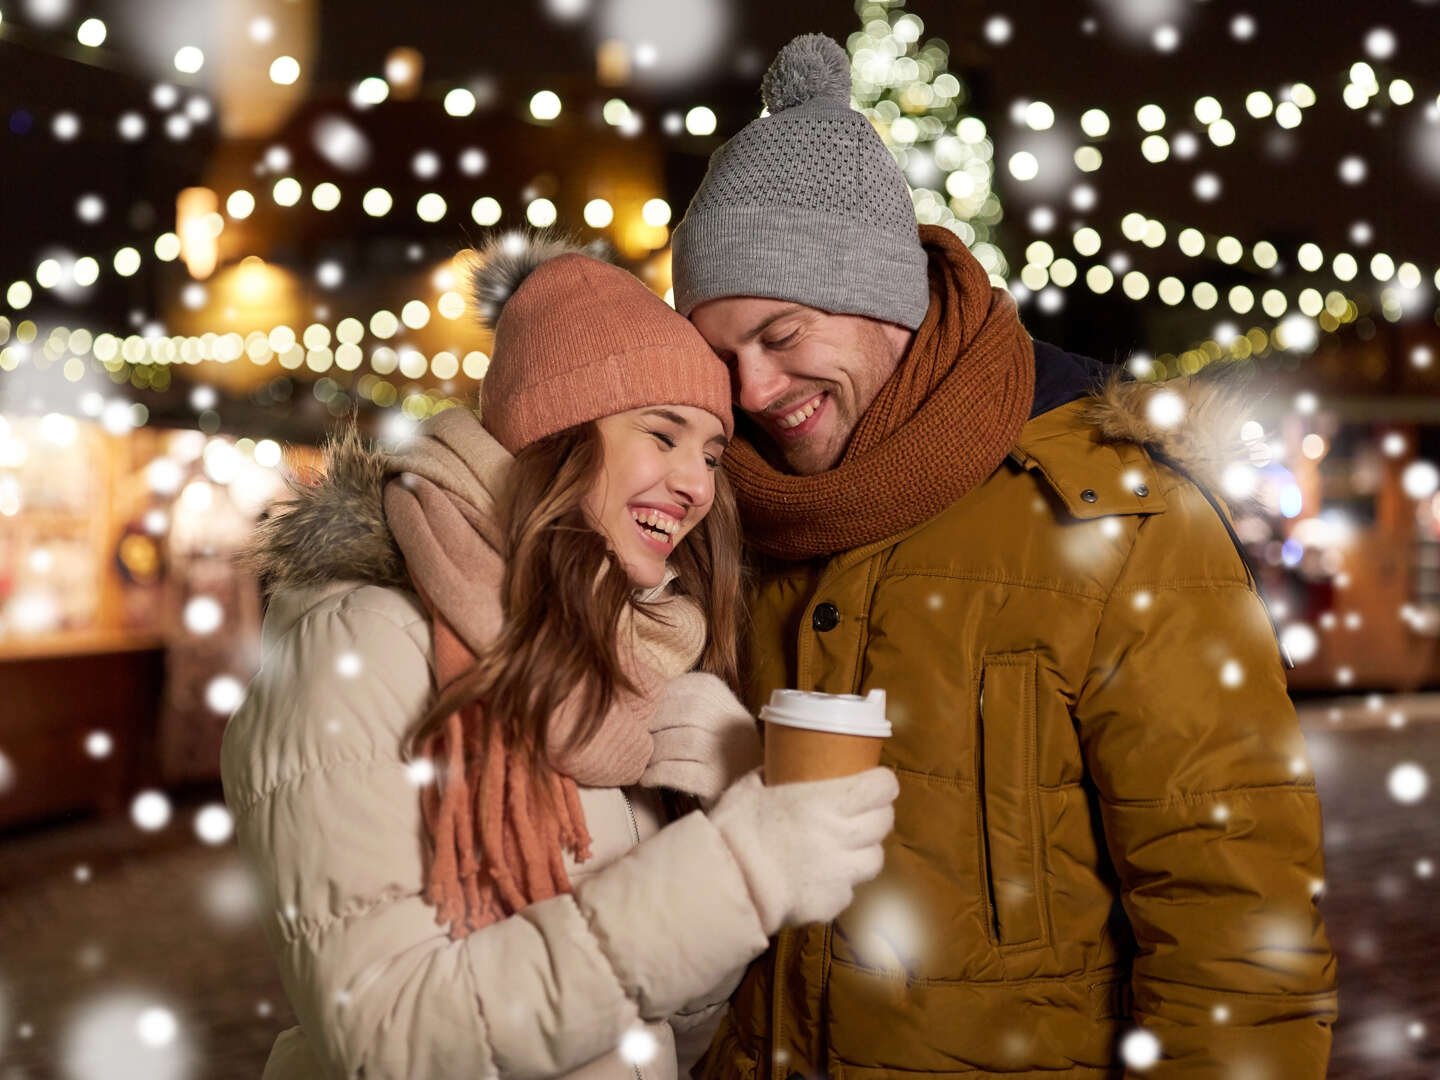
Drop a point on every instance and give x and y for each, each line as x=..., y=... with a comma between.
x=656, y=483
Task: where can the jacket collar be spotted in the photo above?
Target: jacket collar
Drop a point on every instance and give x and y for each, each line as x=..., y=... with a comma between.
x=1099, y=449
x=1093, y=478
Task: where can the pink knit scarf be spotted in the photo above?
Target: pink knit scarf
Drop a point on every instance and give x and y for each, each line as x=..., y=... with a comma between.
x=497, y=831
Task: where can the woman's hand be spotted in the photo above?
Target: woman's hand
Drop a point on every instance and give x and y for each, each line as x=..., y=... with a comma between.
x=705, y=739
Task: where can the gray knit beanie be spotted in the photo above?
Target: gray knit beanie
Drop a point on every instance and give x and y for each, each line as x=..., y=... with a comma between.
x=805, y=204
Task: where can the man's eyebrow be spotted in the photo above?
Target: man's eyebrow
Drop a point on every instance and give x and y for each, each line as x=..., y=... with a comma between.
x=680, y=421
x=760, y=327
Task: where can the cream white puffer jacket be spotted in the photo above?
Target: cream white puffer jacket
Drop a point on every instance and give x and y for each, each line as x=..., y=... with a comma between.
x=643, y=953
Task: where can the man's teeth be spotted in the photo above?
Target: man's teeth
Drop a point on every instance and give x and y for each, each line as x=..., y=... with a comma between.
x=656, y=520
x=799, y=416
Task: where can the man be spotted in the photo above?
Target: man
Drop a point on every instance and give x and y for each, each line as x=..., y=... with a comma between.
x=1107, y=843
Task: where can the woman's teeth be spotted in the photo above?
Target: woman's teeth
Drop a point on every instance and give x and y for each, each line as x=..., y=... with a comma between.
x=799, y=416
x=657, y=521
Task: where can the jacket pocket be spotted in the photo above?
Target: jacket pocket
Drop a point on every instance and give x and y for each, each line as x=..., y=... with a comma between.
x=1012, y=846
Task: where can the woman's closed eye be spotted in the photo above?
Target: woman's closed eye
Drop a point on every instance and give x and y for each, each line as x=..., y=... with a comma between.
x=668, y=441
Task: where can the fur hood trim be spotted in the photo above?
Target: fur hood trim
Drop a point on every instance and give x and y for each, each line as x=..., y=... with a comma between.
x=333, y=528
x=1192, y=422
x=501, y=266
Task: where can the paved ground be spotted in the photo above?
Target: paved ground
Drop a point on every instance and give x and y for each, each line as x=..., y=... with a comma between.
x=160, y=932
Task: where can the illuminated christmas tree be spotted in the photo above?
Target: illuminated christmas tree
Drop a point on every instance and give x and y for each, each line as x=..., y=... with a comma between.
x=900, y=81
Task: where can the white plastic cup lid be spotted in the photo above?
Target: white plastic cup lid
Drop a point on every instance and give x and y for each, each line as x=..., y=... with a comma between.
x=841, y=714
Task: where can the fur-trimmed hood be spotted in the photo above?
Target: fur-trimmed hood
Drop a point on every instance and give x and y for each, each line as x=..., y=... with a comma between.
x=1191, y=423
x=333, y=526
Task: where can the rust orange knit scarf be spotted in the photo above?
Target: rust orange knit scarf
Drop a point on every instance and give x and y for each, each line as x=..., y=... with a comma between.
x=941, y=424
x=524, y=823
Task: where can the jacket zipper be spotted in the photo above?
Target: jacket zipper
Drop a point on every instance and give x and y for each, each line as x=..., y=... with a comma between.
x=634, y=825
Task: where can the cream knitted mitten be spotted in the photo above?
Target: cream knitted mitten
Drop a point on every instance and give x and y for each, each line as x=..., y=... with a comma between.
x=804, y=847
x=704, y=739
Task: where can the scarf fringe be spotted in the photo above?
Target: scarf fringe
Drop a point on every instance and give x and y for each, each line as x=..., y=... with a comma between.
x=526, y=824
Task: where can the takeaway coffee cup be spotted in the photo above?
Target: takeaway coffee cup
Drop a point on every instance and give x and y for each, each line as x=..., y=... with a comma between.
x=811, y=736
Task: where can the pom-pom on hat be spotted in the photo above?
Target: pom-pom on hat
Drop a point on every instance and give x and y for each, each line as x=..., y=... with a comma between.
x=805, y=204
x=578, y=338
x=811, y=68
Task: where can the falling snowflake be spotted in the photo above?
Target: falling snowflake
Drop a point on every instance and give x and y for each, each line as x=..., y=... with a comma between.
x=1353, y=170
x=1380, y=43
x=156, y=1026
x=1207, y=187
x=638, y=1046
x=126, y=1036
x=1420, y=479
x=1300, y=641
x=998, y=30
x=1140, y=1049
x=231, y=895
x=203, y=615
x=1166, y=38
x=1408, y=783
x=213, y=824
x=1165, y=408
x=150, y=810
x=224, y=693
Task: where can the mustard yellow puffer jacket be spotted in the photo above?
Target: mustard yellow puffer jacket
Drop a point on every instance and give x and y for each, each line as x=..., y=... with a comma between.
x=1106, y=816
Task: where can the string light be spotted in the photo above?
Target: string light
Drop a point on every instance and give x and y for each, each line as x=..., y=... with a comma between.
x=545, y=105
x=460, y=102
x=700, y=121
x=91, y=33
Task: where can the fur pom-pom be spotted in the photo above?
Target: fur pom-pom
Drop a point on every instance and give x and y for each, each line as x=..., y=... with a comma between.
x=812, y=67
x=501, y=266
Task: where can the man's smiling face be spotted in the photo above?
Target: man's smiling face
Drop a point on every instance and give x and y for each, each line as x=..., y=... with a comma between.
x=804, y=376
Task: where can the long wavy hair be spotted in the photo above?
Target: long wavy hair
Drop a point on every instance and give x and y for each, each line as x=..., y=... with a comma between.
x=561, y=614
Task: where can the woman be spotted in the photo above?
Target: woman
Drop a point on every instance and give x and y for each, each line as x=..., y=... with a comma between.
x=479, y=669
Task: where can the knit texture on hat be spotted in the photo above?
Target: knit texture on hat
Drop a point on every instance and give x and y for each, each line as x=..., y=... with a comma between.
x=577, y=339
x=805, y=204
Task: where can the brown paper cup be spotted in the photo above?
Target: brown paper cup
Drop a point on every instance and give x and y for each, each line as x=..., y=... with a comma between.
x=793, y=754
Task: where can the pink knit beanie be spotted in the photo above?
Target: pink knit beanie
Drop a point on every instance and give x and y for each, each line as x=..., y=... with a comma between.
x=577, y=339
